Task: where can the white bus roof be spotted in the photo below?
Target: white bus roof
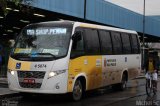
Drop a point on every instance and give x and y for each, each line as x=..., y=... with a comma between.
x=103, y=27
x=87, y=25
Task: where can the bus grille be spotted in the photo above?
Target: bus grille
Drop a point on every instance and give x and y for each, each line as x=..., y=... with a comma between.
x=31, y=74
x=36, y=75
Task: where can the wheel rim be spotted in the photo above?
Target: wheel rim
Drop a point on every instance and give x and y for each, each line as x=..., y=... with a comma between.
x=124, y=82
x=77, y=91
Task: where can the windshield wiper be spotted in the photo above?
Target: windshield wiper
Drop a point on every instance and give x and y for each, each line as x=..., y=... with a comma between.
x=44, y=55
x=34, y=56
x=20, y=55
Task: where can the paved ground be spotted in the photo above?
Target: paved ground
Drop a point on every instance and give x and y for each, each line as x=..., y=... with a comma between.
x=4, y=90
x=134, y=95
x=102, y=97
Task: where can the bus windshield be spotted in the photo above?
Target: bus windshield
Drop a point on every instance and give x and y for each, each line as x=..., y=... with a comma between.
x=42, y=43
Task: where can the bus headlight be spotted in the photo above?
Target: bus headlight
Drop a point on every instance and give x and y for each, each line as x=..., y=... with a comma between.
x=55, y=73
x=12, y=72
x=51, y=74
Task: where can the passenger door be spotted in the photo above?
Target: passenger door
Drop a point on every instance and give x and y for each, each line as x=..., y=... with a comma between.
x=94, y=66
x=78, y=60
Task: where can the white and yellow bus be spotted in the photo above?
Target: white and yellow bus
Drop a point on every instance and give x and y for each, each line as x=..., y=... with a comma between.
x=72, y=57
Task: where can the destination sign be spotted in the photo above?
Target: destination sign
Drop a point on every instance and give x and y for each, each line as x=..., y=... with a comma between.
x=46, y=31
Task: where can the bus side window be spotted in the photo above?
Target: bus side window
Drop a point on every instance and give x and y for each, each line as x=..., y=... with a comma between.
x=92, y=42
x=77, y=45
x=135, y=44
x=117, y=42
x=126, y=43
x=106, y=43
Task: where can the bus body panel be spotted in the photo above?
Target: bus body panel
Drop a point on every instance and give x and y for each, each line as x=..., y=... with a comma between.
x=103, y=71
x=113, y=67
x=91, y=66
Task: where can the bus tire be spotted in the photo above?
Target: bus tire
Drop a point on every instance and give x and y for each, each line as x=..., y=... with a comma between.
x=123, y=84
x=77, y=90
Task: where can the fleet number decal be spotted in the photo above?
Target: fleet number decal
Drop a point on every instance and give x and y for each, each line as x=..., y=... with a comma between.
x=40, y=66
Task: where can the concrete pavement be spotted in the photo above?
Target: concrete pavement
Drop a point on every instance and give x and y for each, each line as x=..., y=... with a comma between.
x=100, y=97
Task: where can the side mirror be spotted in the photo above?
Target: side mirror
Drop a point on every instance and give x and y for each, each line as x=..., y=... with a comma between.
x=77, y=36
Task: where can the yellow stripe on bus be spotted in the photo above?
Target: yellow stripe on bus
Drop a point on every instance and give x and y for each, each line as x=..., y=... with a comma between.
x=24, y=65
x=91, y=66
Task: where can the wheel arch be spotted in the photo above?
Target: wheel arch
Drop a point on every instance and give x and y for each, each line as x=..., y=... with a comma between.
x=125, y=72
x=82, y=77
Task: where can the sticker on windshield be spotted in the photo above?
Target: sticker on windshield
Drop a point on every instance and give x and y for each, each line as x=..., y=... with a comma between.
x=46, y=31
x=19, y=50
x=52, y=51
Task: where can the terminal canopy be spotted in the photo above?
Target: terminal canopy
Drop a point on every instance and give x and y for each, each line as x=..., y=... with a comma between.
x=18, y=17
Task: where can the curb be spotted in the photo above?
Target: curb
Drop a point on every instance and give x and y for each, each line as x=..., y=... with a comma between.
x=4, y=85
x=140, y=77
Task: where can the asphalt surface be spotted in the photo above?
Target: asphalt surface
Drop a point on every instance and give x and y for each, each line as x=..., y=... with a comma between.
x=134, y=95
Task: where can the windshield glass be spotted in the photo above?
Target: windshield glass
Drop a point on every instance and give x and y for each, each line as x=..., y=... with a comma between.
x=42, y=43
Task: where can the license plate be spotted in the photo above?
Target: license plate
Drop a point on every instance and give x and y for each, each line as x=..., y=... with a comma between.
x=30, y=81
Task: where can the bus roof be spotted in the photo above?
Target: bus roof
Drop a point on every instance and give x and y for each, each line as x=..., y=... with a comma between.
x=86, y=25
x=103, y=27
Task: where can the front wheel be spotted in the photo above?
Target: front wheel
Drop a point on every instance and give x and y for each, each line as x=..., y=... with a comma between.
x=77, y=91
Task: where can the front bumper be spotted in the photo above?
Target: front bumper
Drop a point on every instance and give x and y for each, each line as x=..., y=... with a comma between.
x=54, y=85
